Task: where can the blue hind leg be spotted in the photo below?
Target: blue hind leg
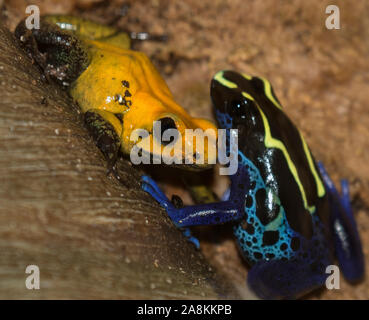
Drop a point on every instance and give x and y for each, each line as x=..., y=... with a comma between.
x=347, y=241
x=277, y=279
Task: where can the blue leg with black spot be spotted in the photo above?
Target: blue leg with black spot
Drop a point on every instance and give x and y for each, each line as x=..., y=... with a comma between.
x=278, y=279
x=347, y=241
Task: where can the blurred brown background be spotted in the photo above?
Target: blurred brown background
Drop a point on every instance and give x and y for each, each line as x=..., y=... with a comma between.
x=320, y=76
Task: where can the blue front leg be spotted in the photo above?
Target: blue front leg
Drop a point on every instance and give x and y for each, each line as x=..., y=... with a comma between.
x=203, y=214
x=347, y=241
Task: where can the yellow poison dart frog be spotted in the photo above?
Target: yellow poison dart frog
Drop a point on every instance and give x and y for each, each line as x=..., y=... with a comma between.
x=118, y=89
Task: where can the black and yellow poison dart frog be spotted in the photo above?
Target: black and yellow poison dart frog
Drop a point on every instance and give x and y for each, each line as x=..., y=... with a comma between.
x=118, y=89
x=289, y=219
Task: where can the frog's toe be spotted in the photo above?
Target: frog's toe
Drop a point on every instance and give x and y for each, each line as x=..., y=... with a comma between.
x=157, y=196
x=154, y=186
x=149, y=181
x=191, y=238
x=150, y=186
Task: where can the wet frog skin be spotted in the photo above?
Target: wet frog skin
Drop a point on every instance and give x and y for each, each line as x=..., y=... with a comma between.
x=289, y=220
x=118, y=89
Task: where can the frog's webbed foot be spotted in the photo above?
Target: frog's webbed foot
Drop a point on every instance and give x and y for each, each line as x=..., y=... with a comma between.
x=172, y=207
x=347, y=241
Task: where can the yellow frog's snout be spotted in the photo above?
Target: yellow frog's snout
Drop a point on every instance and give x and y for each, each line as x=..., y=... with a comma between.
x=172, y=141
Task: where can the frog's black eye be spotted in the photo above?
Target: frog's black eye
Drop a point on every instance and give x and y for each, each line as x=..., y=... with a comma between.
x=237, y=108
x=167, y=123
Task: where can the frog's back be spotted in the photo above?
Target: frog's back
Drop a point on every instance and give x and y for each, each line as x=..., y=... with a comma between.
x=100, y=84
x=282, y=156
x=89, y=30
x=288, y=159
x=109, y=70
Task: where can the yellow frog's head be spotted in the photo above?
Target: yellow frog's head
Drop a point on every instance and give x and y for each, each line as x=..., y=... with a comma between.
x=165, y=129
x=190, y=143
